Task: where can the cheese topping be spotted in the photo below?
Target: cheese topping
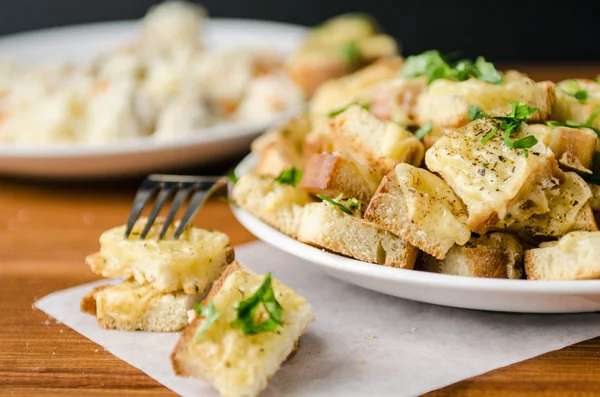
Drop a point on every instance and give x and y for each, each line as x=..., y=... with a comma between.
x=491, y=177
x=128, y=300
x=569, y=108
x=241, y=360
x=569, y=242
x=432, y=205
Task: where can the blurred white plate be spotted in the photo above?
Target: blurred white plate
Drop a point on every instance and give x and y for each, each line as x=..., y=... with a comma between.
x=465, y=292
x=142, y=155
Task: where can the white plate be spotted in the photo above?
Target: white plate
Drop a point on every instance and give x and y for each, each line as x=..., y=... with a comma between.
x=456, y=291
x=142, y=155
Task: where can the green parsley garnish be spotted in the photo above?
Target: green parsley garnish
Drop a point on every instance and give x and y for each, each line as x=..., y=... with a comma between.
x=433, y=65
x=351, y=203
x=350, y=52
x=574, y=124
x=233, y=178
x=247, y=310
x=336, y=112
x=291, y=176
x=519, y=112
x=598, y=79
x=597, y=157
x=424, y=130
x=354, y=203
x=574, y=89
x=210, y=316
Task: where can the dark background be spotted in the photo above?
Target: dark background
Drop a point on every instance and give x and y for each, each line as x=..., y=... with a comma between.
x=500, y=30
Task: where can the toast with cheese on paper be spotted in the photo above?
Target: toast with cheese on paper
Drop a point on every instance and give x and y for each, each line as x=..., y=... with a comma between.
x=496, y=182
x=576, y=256
x=568, y=107
x=421, y=208
x=129, y=306
x=190, y=263
x=325, y=226
x=494, y=255
x=238, y=343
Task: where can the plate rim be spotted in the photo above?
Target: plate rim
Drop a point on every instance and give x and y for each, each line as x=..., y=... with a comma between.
x=336, y=262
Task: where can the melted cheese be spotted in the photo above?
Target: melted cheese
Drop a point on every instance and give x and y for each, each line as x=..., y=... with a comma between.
x=129, y=301
x=567, y=107
x=238, y=362
x=564, y=207
x=432, y=205
x=491, y=177
x=189, y=262
x=571, y=241
x=447, y=102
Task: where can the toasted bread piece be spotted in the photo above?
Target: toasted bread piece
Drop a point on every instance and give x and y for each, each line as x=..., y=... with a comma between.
x=569, y=211
x=235, y=364
x=276, y=204
x=339, y=93
x=189, y=263
x=331, y=174
x=494, y=255
x=319, y=138
x=281, y=147
x=396, y=99
x=421, y=208
x=574, y=148
x=495, y=181
x=130, y=306
x=567, y=107
x=576, y=256
x=371, y=141
x=446, y=103
x=595, y=199
x=325, y=226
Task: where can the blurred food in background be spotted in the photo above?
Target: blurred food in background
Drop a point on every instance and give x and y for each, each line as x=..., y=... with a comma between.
x=164, y=84
x=337, y=47
x=167, y=83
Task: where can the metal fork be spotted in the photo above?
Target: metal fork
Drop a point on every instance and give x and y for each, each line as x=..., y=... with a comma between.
x=165, y=187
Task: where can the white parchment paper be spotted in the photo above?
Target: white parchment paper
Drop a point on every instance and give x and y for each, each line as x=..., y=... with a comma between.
x=362, y=343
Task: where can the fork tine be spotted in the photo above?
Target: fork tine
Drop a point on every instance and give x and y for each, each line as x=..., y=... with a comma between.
x=167, y=190
x=144, y=193
x=204, y=190
x=180, y=197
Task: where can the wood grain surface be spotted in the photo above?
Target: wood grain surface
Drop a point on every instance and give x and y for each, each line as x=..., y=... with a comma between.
x=46, y=229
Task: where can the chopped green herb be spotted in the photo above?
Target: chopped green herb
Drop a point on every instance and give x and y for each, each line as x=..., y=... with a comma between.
x=597, y=157
x=424, y=130
x=590, y=121
x=233, y=177
x=354, y=203
x=247, y=310
x=489, y=135
x=291, y=176
x=475, y=112
x=485, y=71
x=350, y=52
x=511, y=122
x=341, y=110
x=335, y=202
x=574, y=89
x=435, y=66
x=598, y=79
x=210, y=316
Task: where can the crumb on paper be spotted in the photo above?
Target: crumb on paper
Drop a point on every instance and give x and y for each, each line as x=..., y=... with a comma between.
x=361, y=361
x=46, y=322
x=373, y=336
x=57, y=322
x=88, y=218
x=413, y=329
x=23, y=215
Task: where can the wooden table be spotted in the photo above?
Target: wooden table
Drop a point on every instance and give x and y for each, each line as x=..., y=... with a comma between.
x=47, y=229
